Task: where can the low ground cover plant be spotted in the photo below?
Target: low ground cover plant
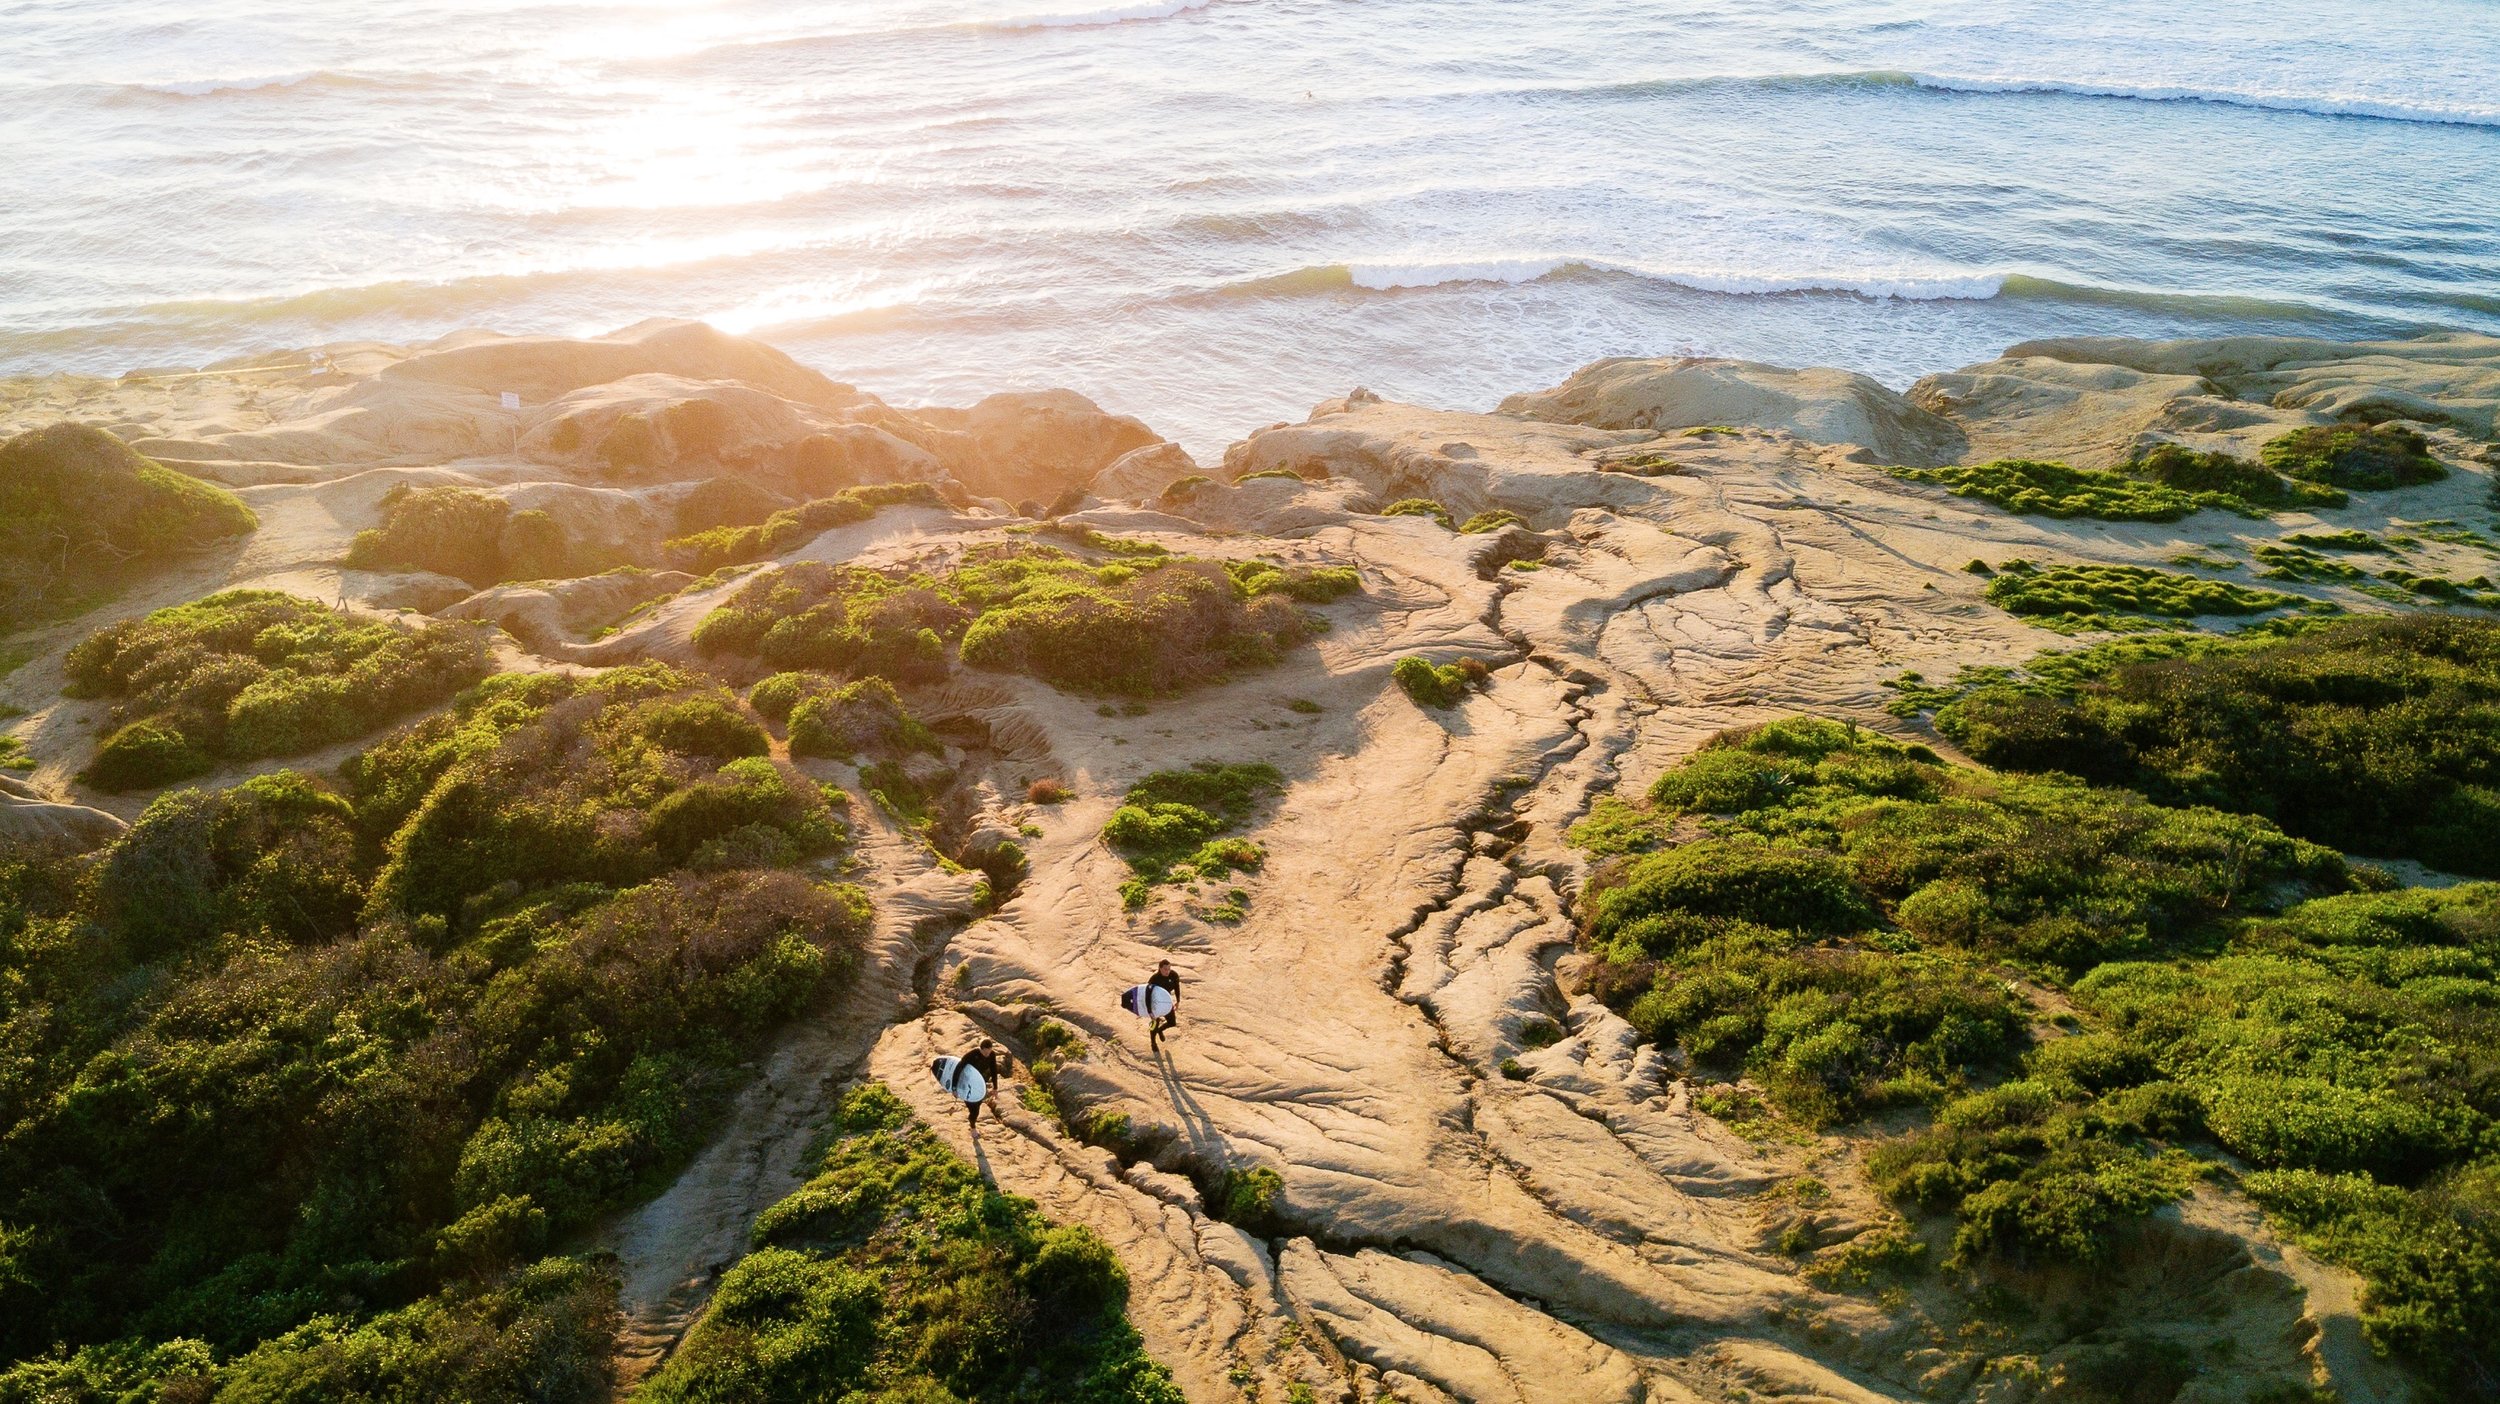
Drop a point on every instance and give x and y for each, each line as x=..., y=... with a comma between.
x=720, y=546
x=2378, y=735
x=1830, y=914
x=2363, y=458
x=80, y=513
x=306, y=1080
x=1176, y=825
x=2123, y=598
x=1141, y=623
x=473, y=536
x=251, y=673
x=898, y=1273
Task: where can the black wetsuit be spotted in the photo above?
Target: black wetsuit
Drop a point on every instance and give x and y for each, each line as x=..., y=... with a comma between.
x=993, y=1066
x=1165, y=980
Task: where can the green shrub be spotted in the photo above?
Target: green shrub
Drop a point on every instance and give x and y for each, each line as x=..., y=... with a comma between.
x=1247, y=1199
x=142, y=756
x=1309, y=584
x=546, y=1335
x=1171, y=627
x=1491, y=521
x=2375, y=735
x=2431, y=1260
x=786, y=530
x=2039, y=489
x=623, y=806
x=2300, y=563
x=2227, y=475
x=2371, y=458
x=251, y=673
x=452, y=531
x=1142, y=623
x=897, y=1269
x=1418, y=507
x=2117, y=597
x=1171, y=824
x=1736, y=879
x=80, y=513
x=1430, y=686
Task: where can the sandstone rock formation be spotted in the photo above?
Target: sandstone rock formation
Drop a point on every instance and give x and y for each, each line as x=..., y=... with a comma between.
x=1818, y=405
x=1463, y=1212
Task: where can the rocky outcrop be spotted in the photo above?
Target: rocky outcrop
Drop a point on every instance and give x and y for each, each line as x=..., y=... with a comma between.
x=31, y=819
x=545, y=615
x=1141, y=475
x=1036, y=446
x=2097, y=402
x=1818, y=405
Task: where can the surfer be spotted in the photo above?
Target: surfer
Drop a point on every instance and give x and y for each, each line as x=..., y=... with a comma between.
x=1165, y=978
x=987, y=1067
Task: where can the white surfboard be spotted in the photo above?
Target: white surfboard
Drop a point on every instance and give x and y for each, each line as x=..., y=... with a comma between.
x=961, y=1081
x=1146, y=1001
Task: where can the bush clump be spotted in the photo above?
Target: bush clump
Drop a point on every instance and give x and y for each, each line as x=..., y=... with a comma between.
x=1419, y=507
x=837, y=721
x=1771, y=944
x=2120, y=598
x=80, y=513
x=2362, y=458
x=721, y=546
x=1172, y=825
x=1444, y=685
x=2225, y=475
x=288, y=1060
x=473, y=536
x=2379, y=735
x=2041, y=489
x=544, y=780
x=251, y=673
x=1138, y=624
x=898, y=1270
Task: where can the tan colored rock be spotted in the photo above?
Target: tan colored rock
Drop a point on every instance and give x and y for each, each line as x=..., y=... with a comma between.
x=1818, y=405
x=1035, y=446
x=1141, y=475
x=2096, y=401
x=545, y=615
x=31, y=819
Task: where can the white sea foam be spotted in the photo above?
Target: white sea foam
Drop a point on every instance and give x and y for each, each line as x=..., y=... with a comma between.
x=202, y=87
x=2313, y=104
x=1109, y=14
x=1907, y=286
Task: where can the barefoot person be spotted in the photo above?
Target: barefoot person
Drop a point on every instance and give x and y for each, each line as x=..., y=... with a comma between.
x=1165, y=978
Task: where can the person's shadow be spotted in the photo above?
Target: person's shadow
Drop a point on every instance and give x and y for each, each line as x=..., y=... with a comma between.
x=1195, y=1123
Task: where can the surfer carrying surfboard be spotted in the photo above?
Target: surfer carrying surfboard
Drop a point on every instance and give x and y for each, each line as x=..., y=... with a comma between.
x=1165, y=978
x=971, y=1078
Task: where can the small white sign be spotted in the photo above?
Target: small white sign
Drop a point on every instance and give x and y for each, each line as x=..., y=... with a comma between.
x=511, y=401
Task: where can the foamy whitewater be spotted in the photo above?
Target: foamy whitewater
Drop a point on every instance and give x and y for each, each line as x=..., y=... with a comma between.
x=1212, y=213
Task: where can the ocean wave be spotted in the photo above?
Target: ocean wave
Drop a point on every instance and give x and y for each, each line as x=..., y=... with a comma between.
x=2311, y=104
x=2238, y=307
x=1109, y=14
x=1394, y=277
x=250, y=83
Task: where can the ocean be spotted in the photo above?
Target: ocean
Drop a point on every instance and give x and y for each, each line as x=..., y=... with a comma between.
x=1213, y=213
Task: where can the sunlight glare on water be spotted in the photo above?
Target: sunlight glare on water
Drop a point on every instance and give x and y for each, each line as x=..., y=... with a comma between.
x=1213, y=213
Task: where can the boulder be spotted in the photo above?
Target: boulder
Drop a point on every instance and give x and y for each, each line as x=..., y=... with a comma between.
x=1818, y=405
x=1036, y=446
x=31, y=819
x=1141, y=475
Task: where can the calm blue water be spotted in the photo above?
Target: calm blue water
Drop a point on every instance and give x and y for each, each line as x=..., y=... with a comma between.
x=1214, y=213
